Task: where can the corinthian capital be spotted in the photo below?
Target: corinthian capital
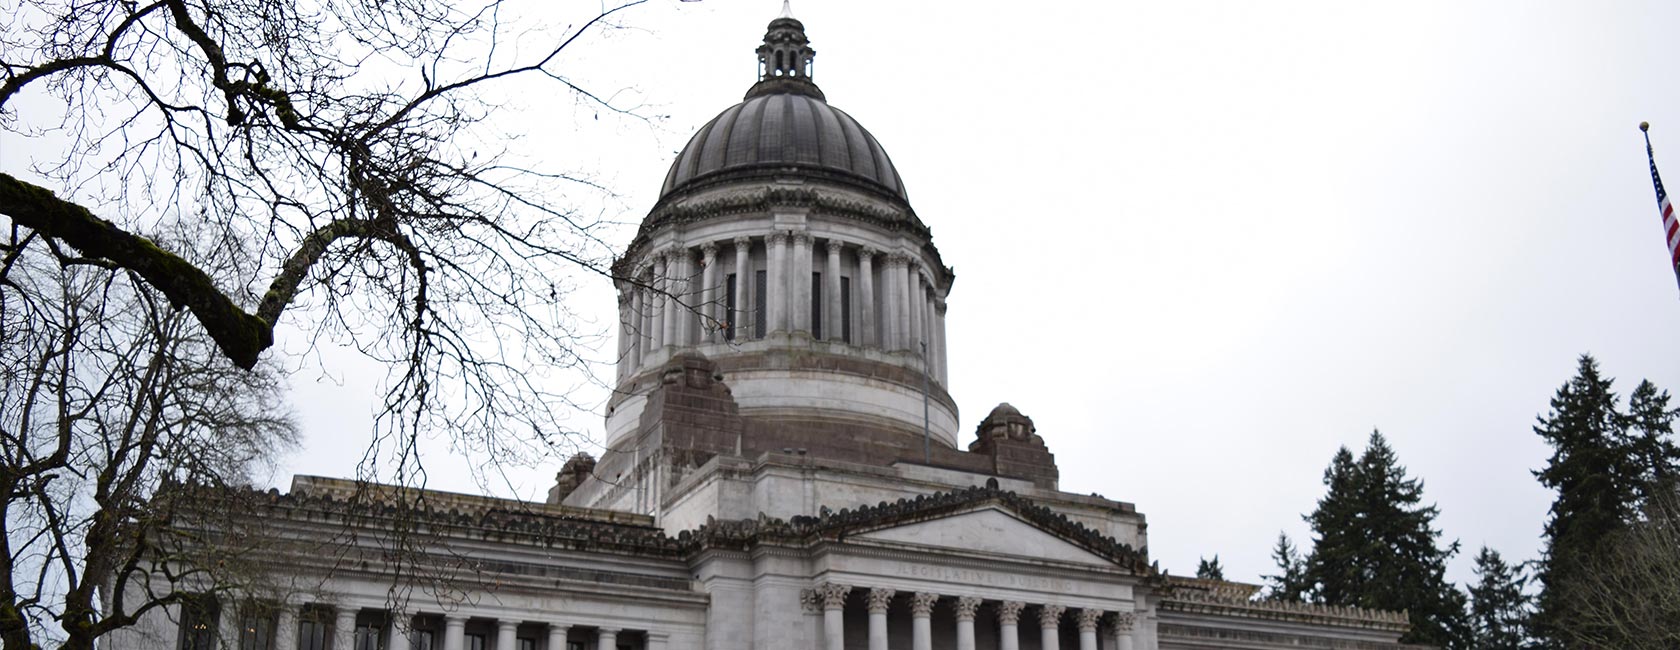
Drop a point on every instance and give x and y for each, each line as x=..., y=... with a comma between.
x=966, y=606
x=921, y=604
x=1050, y=615
x=1087, y=618
x=777, y=238
x=879, y=598
x=832, y=596
x=708, y=251
x=1122, y=621
x=742, y=244
x=1009, y=611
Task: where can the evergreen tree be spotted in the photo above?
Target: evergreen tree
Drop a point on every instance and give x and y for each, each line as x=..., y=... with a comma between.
x=1290, y=585
x=1593, y=469
x=1210, y=570
x=1650, y=430
x=1498, y=606
x=1376, y=547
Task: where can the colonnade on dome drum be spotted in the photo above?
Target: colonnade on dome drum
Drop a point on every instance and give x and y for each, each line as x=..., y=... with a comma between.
x=734, y=291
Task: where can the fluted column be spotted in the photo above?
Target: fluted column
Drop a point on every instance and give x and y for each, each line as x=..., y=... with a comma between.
x=1009, y=613
x=892, y=302
x=661, y=283
x=557, y=636
x=1049, y=620
x=832, y=312
x=1087, y=619
x=906, y=338
x=710, y=299
x=939, y=368
x=866, y=297
x=915, y=299
x=879, y=599
x=1120, y=627
x=775, y=287
x=606, y=638
x=801, y=279
x=625, y=330
x=833, y=598
x=506, y=632
x=634, y=319
x=965, y=607
x=677, y=315
x=743, y=255
x=454, y=632
x=286, y=628
x=344, y=629
x=921, y=625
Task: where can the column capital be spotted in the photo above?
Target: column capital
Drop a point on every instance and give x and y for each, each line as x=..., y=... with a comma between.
x=809, y=601
x=1009, y=611
x=504, y=624
x=832, y=596
x=1122, y=622
x=742, y=243
x=802, y=238
x=777, y=237
x=833, y=246
x=608, y=630
x=454, y=617
x=921, y=603
x=1087, y=618
x=966, y=606
x=879, y=598
x=866, y=252
x=1050, y=615
x=709, y=251
x=676, y=252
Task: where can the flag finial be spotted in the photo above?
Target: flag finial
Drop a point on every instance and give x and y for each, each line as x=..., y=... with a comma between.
x=1644, y=127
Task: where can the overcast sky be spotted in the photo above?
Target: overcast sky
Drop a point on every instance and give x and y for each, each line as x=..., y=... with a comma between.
x=1204, y=244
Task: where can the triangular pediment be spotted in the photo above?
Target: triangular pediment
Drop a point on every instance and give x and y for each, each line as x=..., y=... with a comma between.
x=986, y=530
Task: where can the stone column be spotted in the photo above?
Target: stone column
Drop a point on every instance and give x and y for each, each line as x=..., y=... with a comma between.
x=344, y=629
x=833, y=599
x=878, y=600
x=402, y=631
x=906, y=339
x=775, y=298
x=939, y=368
x=557, y=636
x=915, y=302
x=228, y=625
x=1121, y=628
x=921, y=625
x=743, y=255
x=1009, y=612
x=741, y=316
x=454, y=632
x=832, y=312
x=634, y=318
x=866, y=297
x=710, y=322
x=506, y=632
x=660, y=283
x=966, y=607
x=606, y=638
x=286, y=628
x=1087, y=619
x=1049, y=620
x=801, y=279
x=676, y=309
x=892, y=308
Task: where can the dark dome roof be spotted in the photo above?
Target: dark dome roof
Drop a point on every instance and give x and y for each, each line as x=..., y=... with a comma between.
x=770, y=133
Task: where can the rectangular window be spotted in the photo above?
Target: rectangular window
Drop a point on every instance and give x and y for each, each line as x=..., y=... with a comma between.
x=578, y=645
x=312, y=630
x=731, y=303
x=424, y=640
x=526, y=643
x=846, y=309
x=760, y=284
x=198, y=623
x=368, y=638
x=475, y=642
x=816, y=306
x=256, y=630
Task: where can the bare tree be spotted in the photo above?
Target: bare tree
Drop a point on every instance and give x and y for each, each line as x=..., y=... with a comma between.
x=1628, y=593
x=111, y=393
x=339, y=146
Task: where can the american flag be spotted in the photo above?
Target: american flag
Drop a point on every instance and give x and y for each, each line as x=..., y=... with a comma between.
x=1671, y=226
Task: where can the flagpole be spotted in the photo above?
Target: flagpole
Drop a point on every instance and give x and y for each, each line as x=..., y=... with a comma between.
x=1665, y=210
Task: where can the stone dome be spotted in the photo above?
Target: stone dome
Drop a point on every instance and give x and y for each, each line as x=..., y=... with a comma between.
x=778, y=133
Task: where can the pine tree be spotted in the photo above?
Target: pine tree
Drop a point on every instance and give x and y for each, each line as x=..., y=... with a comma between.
x=1376, y=547
x=1290, y=585
x=1650, y=430
x=1210, y=570
x=1593, y=469
x=1499, y=609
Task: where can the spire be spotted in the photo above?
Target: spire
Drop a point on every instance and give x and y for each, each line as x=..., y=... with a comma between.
x=785, y=59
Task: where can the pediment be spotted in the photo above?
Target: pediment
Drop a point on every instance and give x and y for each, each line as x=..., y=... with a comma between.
x=986, y=530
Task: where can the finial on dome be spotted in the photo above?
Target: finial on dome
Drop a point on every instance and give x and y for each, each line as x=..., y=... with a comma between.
x=787, y=11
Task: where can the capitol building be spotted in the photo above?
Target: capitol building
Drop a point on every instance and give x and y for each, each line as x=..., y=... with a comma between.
x=783, y=469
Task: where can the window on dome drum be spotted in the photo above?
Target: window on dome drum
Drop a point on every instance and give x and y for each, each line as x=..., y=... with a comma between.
x=574, y=645
x=256, y=629
x=475, y=642
x=424, y=640
x=730, y=298
x=368, y=637
x=199, y=616
x=312, y=629
x=527, y=643
x=816, y=306
x=845, y=309
x=760, y=284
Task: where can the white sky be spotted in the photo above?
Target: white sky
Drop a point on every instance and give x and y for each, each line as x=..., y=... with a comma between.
x=1202, y=244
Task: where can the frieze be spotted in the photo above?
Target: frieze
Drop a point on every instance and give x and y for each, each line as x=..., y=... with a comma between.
x=958, y=575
